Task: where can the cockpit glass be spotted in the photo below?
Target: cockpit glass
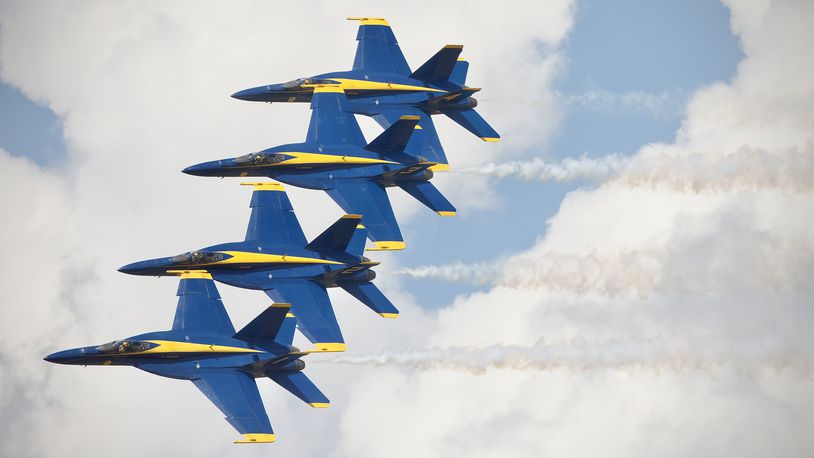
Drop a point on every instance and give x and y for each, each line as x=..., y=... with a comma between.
x=293, y=84
x=260, y=158
x=198, y=257
x=123, y=346
x=306, y=81
x=245, y=159
x=185, y=257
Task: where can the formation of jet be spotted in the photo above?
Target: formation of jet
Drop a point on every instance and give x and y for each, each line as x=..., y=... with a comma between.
x=275, y=257
x=203, y=347
x=381, y=85
x=336, y=158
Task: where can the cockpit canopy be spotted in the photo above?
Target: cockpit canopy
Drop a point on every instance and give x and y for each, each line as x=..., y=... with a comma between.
x=299, y=82
x=123, y=346
x=198, y=257
x=260, y=158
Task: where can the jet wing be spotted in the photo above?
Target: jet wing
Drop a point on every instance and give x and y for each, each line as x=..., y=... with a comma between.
x=378, y=51
x=368, y=198
x=273, y=220
x=235, y=394
x=200, y=309
x=312, y=307
x=424, y=141
x=330, y=123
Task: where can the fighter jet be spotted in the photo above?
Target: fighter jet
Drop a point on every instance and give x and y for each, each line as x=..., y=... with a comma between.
x=202, y=346
x=381, y=85
x=276, y=258
x=336, y=158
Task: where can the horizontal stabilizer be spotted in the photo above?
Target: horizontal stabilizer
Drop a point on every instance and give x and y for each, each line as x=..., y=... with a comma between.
x=430, y=196
x=266, y=326
x=338, y=236
x=470, y=120
x=302, y=387
x=370, y=295
x=394, y=139
x=439, y=67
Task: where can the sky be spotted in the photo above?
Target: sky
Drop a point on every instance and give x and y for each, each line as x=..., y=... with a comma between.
x=628, y=273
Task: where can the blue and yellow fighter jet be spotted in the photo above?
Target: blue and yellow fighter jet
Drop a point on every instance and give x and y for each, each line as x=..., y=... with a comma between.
x=381, y=85
x=336, y=158
x=202, y=346
x=276, y=258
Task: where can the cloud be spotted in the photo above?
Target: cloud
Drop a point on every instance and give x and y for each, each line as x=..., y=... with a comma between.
x=699, y=250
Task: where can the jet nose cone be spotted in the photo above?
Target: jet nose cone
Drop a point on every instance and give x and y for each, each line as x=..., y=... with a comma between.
x=150, y=267
x=204, y=169
x=61, y=357
x=258, y=94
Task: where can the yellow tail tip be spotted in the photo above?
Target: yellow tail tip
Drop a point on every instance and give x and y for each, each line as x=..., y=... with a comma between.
x=329, y=346
x=387, y=246
x=319, y=405
x=389, y=315
x=281, y=305
x=447, y=213
x=490, y=139
x=257, y=439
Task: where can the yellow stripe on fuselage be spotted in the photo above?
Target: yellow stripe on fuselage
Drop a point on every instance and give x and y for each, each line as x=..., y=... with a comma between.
x=348, y=84
x=171, y=346
x=243, y=257
x=299, y=158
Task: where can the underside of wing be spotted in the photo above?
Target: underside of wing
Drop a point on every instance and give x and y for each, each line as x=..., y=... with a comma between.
x=200, y=309
x=312, y=307
x=369, y=198
x=377, y=50
x=330, y=124
x=236, y=395
x=273, y=220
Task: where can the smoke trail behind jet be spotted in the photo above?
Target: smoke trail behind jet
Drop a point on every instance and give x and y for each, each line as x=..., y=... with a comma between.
x=745, y=168
x=644, y=355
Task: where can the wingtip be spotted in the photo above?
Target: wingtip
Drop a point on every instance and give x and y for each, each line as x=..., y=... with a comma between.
x=444, y=213
x=369, y=20
x=319, y=405
x=490, y=139
x=191, y=274
x=256, y=439
x=264, y=186
x=389, y=315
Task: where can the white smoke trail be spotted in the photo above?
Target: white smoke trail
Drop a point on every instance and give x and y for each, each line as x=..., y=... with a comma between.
x=610, y=274
x=652, y=355
x=569, y=169
x=745, y=168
